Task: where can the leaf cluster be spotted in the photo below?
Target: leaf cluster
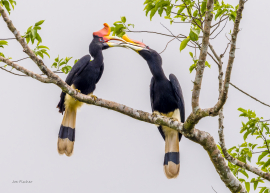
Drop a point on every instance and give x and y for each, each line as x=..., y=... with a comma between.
x=61, y=64
x=254, y=126
x=32, y=33
x=195, y=61
x=119, y=27
x=222, y=9
x=40, y=50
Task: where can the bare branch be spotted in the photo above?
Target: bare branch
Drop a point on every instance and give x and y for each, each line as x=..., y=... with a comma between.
x=202, y=58
x=9, y=39
x=219, y=22
x=219, y=31
x=153, y=33
x=20, y=59
x=214, y=111
x=249, y=95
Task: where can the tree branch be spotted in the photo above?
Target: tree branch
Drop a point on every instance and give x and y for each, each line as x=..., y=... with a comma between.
x=233, y=160
x=202, y=58
x=249, y=95
x=24, y=70
x=214, y=111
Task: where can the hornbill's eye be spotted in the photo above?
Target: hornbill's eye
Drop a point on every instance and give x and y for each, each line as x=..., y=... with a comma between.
x=101, y=40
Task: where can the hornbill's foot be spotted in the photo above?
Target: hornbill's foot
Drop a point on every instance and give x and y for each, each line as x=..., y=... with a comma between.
x=94, y=96
x=155, y=113
x=78, y=90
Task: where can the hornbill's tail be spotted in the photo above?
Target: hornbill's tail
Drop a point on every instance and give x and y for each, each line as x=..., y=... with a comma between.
x=66, y=136
x=171, y=158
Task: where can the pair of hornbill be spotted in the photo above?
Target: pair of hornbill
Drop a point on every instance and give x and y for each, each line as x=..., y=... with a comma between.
x=166, y=95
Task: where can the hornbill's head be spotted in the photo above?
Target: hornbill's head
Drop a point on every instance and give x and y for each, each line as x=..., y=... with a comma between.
x=147, y=53
x=101, y=40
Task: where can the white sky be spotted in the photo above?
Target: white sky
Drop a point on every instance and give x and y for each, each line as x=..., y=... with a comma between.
x=115, y=153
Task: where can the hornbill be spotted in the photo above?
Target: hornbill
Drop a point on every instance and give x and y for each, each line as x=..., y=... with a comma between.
x=166, y=99
x=83, y=77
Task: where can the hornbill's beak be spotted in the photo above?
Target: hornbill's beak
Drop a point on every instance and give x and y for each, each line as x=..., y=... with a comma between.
x=133, y=44
x=105, y=34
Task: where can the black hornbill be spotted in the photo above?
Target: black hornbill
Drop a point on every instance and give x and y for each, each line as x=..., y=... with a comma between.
x=166, y=99
x=83, y=77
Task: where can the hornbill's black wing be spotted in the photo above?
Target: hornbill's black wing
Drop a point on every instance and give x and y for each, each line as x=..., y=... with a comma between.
x=152, y=92
x=152, y=103
x=179, y=96
x=75, y=71
x=100, y=73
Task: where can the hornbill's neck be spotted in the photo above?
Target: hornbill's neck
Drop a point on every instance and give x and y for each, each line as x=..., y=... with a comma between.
x=154, y=64
x=98, y=56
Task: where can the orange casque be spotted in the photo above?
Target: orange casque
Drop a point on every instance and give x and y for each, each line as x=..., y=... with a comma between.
x=103, y=32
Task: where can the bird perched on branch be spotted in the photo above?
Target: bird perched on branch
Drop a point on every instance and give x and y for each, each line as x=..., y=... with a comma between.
x=83, y=77
x=166, y=99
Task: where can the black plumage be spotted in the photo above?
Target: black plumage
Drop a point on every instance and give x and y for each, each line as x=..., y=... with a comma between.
x=166, y=99
x=85, y=74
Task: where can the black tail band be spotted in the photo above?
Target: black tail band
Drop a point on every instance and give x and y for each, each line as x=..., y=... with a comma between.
x=173, y=157
x=67, y=132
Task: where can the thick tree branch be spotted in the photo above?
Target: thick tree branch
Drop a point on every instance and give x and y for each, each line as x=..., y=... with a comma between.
x=214, y=111
x=202, y=58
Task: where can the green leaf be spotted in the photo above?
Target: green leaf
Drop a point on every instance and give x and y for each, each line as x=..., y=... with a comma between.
x=266, y=164
x=192, y=67
x=3, y=43
x=246, y=135
x=207, y=64
x=54, y=65
x=75, y=61
x=39, y=23
x=247, y=184
x=56, y=59
x=203, y=7
x=169, y=9
x=184, y=43
x=263, y=154
x=41, y=46
x=34, y=33
x=194, y=34
x=191, y=54
x=255, y=185
x=262, y=189
x=40, y=54
x=131, y=25
x=45, y=52
x=123, y=19
x=182, y=7
x=244, y=173
x=153, y=12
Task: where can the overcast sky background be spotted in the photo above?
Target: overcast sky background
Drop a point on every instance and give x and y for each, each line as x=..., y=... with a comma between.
x=113, y=152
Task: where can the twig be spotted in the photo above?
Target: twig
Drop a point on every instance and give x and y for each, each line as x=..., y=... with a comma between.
x=249, y=95
x=168, y=44
x=214, y=189
x=219, y=22
x=9, y=39
x=21, y=59
x=220, y=30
